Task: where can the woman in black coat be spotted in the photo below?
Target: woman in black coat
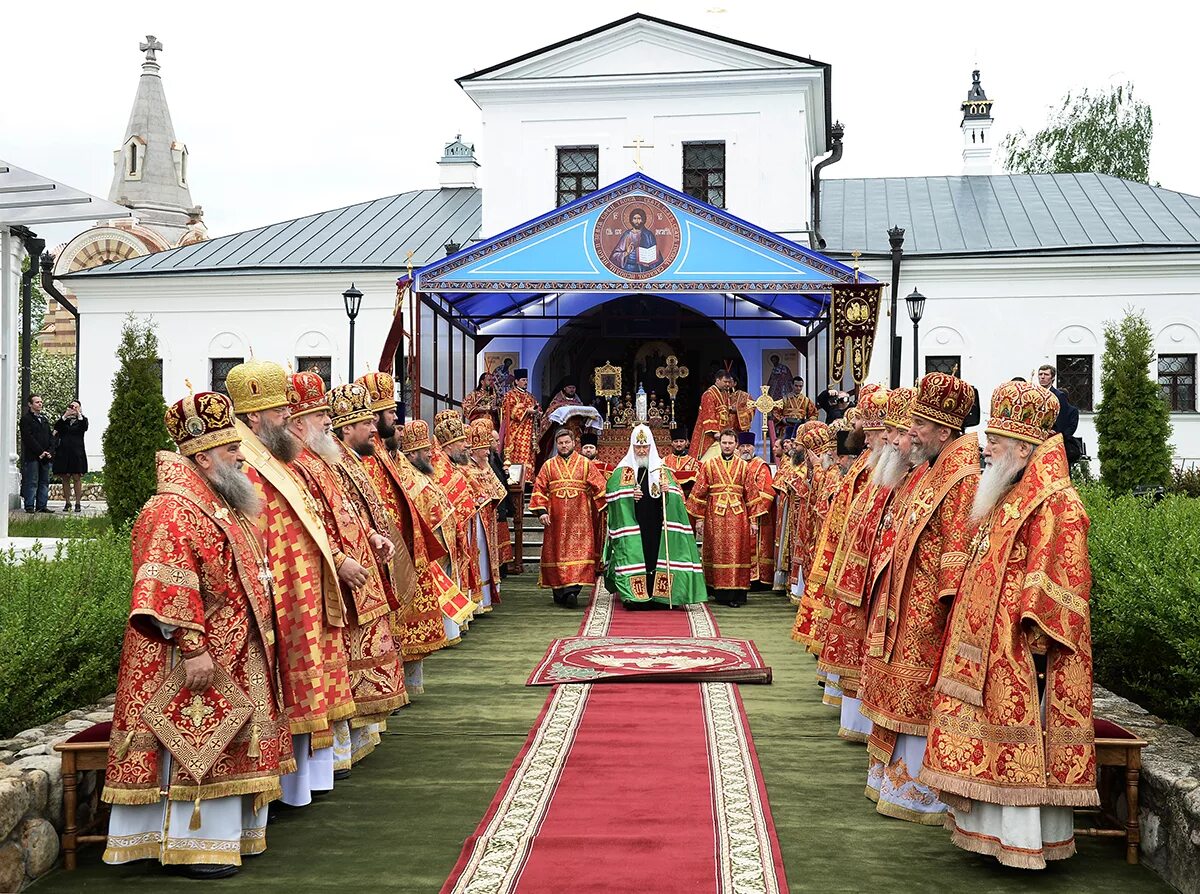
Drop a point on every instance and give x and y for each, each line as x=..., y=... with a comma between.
x=70, y=457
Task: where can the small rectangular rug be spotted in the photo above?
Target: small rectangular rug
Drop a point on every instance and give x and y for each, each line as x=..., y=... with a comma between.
x=650, y=659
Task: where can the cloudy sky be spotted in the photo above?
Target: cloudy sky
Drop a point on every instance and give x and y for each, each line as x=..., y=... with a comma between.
x=293, y=108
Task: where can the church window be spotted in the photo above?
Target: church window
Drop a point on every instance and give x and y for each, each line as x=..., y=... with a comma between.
x=219, y=368
x=1075, y=378
x=578, y=172
x=133, y=160
x=1177, y=379
x=704, y=172
x=950, y=364
x=322, y=366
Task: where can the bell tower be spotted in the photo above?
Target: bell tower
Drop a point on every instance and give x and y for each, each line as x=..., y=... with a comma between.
x=976, y=129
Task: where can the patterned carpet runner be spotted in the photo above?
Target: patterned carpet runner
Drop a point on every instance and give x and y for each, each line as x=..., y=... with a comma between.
x=654, y=787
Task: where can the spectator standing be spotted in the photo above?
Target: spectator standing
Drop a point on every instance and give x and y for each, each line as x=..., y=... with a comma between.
x=70, y=456
x=1068, y=414
x=37, y=451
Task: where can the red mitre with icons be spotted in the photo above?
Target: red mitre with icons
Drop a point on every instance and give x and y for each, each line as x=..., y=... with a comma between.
x=944, y=399
x=1023, y=411
x=382, y=389
x=415, y=436
x=448, y=428
x=201, y=422
x=306, y=394
x=873, y=406
x=899, y=408
x=479, y=434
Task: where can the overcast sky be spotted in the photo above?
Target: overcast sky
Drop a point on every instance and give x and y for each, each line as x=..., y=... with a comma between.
x=289, y=109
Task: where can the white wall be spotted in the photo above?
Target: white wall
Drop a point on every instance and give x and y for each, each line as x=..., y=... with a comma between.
x=1007, y=316
x=278, y=316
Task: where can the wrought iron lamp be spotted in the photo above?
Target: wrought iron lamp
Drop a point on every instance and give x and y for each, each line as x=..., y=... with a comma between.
x=352, y=298
x=916, y=310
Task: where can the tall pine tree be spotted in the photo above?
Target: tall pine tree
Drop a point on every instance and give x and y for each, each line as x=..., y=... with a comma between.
x=1133, y=421
x=136, y=430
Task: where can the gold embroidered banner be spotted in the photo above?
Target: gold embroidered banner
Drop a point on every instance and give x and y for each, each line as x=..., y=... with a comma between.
x=853, y=314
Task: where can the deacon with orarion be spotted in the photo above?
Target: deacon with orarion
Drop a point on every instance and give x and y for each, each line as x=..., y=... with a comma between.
x=726, y=504
x=1011, y=744
x=198, y=738
x=520, y=416
x=722, y=407
x=908, y=615
x=567, y=491
x=650, y=553
x=308, y=604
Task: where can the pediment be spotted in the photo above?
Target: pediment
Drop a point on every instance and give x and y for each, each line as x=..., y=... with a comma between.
x=640, y=45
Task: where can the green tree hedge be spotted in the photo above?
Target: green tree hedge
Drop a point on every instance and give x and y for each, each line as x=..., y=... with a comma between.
x=136, y=430
x=1133, y=422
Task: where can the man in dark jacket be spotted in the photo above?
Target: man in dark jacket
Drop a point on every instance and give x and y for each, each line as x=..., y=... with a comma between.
x=1068, y=414
x=36, y=452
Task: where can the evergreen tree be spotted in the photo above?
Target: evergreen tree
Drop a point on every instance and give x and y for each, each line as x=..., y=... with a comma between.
x=136, y=429
x=1105, y=133
x=1133, y=421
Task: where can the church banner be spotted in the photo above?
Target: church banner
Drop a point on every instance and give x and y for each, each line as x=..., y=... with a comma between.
x=853, y=315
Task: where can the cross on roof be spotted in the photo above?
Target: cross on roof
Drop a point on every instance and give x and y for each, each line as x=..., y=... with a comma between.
x=637, y=146
x=150, y=46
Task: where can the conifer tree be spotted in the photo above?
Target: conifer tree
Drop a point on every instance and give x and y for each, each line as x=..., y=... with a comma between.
x=136, y=429
x=1133, y=421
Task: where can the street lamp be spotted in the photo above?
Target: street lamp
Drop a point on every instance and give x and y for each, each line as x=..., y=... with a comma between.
x=353, y=300
x=916, y=310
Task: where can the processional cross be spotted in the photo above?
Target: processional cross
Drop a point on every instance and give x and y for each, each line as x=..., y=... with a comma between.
x=764, y=403
x=637, y=146
x=672, y=372
x=150, y=46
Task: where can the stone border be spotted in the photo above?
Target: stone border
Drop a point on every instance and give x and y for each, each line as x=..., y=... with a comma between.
x=31, y=796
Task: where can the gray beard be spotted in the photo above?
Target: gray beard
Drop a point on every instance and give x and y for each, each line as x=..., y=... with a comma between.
x=891, y=469
x=887, y=453
x=279, y=440
x=873, y=458
x=997, y=480
x=424, y=466
x=459, y=459
x=323, y=445
x=231, y=483
x=925, y=454
x=643, y=462
x=827, y=462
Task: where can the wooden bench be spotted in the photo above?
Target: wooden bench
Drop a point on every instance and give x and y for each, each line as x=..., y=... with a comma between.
x=86, y=750
x=1117, y=748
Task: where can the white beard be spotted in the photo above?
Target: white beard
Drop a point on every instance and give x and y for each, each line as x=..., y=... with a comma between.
x=891, y=469
x=887, y=455
x=873, y=458
x=643, y=462
x=998, y=479
x=827, y=462
x=323, y=444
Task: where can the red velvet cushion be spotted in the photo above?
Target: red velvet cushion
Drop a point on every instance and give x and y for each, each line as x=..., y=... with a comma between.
x=1106, y=729
x=101, y=732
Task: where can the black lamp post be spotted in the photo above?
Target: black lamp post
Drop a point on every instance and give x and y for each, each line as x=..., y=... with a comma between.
x=353, y=300
x=916, y=310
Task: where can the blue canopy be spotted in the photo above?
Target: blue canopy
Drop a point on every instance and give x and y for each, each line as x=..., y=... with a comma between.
x=634, y=236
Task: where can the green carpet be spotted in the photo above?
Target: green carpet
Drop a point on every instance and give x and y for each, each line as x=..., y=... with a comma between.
x=398, y=824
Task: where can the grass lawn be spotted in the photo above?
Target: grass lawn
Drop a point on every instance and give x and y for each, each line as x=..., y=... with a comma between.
x=58, y=524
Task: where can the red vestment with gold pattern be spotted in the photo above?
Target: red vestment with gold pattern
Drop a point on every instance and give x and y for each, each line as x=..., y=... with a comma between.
x=684, y=468
x=518, y=428
x=727, y=498
x=1024, y=593
x=488, y=493
x=452, y=481
x=571, y=491
x=197, y=567
x=417, y=625
x=816, y=604
x=719, y=410
x=375, y=672
x=762, y=569
x=908, y=617
x=480, y=404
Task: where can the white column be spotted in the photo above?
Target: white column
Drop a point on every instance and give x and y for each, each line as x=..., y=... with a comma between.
x=11, y=253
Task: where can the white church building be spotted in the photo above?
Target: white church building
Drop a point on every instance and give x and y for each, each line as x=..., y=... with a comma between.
x=1018, y=271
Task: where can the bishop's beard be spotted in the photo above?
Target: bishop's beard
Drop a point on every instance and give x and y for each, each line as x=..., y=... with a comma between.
x=873, y=458
x=231, y=483
x=643, y=462
x=998, y=479
x=891, y=468
x=424, y=466
x=385, y=431
x=283, y=445
x=322, y=443
x=827, y=461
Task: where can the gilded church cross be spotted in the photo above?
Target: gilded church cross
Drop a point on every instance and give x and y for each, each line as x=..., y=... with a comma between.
x=637, y=146
x=672, y=372
x=150, y=46
x=764, y=403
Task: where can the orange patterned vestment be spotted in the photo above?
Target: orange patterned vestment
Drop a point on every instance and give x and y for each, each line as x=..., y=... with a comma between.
x=452, y=481
x=571, y=491
x=719, y=410
x=417, y=624
x=518, y=428
x=727, y=498
x=196, y=569
x=762, y=568
x=684, y=468
x=306, y=597
x=815, y=605
x=480, y=404
x=908, y=618
x=375, y=673
x=488, y=493
x=1024, y=592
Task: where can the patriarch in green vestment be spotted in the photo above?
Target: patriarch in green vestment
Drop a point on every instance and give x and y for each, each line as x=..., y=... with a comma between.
x=650, y=552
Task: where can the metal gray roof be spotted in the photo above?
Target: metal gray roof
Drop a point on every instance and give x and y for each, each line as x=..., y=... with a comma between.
x=1006, y=214
x=377, y=234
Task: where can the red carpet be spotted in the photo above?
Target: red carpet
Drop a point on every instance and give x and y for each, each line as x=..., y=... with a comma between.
x=648, y=788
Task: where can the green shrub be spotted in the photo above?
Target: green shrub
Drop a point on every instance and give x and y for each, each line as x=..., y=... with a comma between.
x=136, y=430
x=62, y=618
x=1186, y=481
x=1146, y=600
